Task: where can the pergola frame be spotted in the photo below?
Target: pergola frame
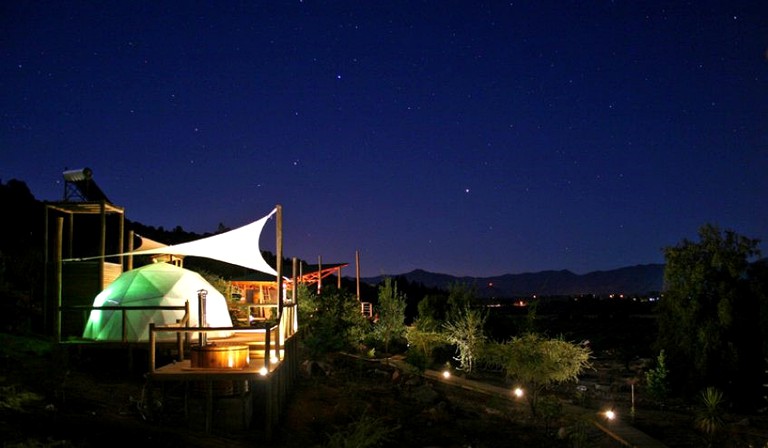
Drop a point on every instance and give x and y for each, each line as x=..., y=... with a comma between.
x=68, y=210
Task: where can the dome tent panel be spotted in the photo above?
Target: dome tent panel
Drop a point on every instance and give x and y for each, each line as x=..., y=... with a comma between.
x=159, y=284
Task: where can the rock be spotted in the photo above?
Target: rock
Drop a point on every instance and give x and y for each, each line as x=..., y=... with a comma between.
x=424, y=395
x=413, y=381
x=325, y=367
x=313, y=368
x=379, y=372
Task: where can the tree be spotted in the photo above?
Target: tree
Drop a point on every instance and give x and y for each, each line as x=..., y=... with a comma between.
x=422, y=340
x=537, y=362
x=465, y=331
x=333, y=321
x=656, y=378
x=460, y=298
x=391, y=308
x=431, y=311
x=709, y=315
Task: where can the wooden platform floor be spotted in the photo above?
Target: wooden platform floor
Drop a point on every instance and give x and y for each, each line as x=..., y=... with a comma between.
x=182, y=370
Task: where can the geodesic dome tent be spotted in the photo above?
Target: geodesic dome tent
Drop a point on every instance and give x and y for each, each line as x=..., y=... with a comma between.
x=158, y=284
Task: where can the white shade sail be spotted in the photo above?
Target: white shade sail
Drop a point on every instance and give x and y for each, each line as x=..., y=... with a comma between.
x=239, y=247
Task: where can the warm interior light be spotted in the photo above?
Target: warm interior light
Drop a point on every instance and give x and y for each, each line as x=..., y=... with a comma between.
x=518, y=392
x=263, y=371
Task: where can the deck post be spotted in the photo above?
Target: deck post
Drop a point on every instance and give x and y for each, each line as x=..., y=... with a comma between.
x=268, y=409
x=152, y=347
x=357, y=273
x=129, y=257
x=58, y=276
x=102, y=244
x=267, y=347
x=208, y=405
x=124, y=322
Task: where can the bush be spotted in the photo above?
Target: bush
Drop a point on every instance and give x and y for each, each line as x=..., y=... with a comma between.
x=657, y=379
x=417, y=359
x=368, y=432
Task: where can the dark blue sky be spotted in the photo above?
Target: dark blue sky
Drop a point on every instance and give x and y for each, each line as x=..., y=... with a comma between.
x=470, y=138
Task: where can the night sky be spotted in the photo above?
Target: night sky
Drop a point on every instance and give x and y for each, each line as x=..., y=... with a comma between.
x=468, y=138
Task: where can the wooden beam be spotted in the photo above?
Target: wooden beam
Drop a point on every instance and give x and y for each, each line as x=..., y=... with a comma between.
x=129, y=261
x=46, y=271
x=357, y=273
x=279, y=262
x=57, y=276
x=121, y=241
x=102, y=243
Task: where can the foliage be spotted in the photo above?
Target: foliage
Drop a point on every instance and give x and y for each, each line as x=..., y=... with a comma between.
x=537, y=362
x=709, y=418
x=656, y=378
x=335, y=324
x=307, y=303
x=758, y=275
x=530, y=317
x=391, y=310
x=432, y=310
x=460, y=298
x=550, y=409
x=368, y=432
x=21, y=258
x=216, y=281
x=709, y=314
x=577, y=433
x=465, y=331
x=14, y=399
x=417, y=359
x=423, y=341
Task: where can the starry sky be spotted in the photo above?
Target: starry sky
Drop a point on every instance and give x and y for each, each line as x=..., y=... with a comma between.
x=461, y=137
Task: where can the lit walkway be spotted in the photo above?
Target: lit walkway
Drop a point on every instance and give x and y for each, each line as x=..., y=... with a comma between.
x=618, y=430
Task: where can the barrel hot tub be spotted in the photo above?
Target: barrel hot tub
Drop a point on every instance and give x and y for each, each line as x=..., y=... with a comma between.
x=220, y=357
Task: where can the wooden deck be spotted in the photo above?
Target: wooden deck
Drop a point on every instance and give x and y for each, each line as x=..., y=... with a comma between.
x=257, y=392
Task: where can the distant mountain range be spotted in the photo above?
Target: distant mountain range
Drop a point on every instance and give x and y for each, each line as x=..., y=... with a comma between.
x=640, y=279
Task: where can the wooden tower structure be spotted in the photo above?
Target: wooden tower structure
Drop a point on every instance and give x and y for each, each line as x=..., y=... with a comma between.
x=76, y=230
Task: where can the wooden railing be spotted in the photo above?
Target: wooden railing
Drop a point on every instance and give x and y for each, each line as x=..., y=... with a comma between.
x=275, y=335
x=123, y=314
x=266, y=329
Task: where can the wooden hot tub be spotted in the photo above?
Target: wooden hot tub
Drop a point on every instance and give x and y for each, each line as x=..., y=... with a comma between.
x=219, y=356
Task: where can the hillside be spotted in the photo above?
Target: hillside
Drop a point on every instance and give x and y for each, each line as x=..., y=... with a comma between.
x=640, y=279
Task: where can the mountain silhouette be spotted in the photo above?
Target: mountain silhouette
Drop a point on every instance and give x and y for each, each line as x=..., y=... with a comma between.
x=640, y=279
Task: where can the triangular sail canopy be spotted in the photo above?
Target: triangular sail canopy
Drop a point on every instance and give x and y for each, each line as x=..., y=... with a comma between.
x=239, y=246
x=147, y=243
